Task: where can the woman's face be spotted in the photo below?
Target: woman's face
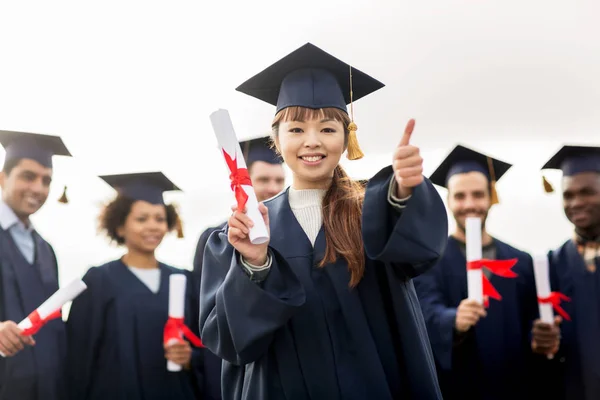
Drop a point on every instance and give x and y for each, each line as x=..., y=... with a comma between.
x=312, y=149
x=145, y=226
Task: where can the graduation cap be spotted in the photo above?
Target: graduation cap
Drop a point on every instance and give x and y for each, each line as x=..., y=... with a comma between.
x=259, y=149
x=573, y=160
x=462, y=160
x=33, y=146
x=312, y=78
x=144, y=186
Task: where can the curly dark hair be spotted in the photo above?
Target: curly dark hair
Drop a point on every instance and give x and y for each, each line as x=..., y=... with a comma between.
x=115, y=214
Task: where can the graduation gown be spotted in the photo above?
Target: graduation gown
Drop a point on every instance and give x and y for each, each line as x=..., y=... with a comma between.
x=35, y=372
x=490, y=361
x=212, y=363
x=303, y=332
x=578, y=361
x=115, y=332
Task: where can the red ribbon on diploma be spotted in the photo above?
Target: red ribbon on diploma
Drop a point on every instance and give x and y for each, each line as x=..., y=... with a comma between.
x=238, y=177
x=555, y=298
x=497, y=267
x=37, y=322
x=175, y=327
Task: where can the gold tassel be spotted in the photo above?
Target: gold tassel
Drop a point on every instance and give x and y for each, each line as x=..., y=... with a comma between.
x=63, y=199
x=354, y=151
x=493, y=192
x=547, y=185
x=179, y=228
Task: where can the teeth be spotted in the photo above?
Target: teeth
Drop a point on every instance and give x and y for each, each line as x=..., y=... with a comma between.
x=312, y=158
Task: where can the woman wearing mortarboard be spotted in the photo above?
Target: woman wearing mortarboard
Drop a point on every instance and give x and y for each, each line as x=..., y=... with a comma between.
x=327, y=308
x=115, y=328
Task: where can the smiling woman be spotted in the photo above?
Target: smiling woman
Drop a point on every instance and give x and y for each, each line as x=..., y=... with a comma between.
x=133, y=294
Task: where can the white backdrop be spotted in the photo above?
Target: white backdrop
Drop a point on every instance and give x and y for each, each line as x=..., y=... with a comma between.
x=129, y=86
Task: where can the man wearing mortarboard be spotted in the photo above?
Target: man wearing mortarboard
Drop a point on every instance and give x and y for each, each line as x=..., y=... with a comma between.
x=268, y=178
x=32, y=369
x=481, y=353
x=575, y=272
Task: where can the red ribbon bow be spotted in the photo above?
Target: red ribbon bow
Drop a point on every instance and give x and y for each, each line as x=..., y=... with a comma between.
x=238, y=177
x=497, y=267
x=37, y=322
x=175, y=328
x=555, y=298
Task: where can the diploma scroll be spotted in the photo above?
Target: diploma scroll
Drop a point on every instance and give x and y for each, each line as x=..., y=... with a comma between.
x=51, y=308
x=474, y=253
x=240, y=181
x=542, y=285
x=177, y=284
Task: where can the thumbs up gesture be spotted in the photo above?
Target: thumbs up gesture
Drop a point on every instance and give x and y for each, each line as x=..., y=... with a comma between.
x=407, y=164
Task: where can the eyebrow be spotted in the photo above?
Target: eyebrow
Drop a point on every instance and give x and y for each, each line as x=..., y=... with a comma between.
x=327, y=120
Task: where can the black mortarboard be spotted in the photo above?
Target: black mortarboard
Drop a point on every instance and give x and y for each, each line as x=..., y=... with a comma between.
x=146, y=186
x=309, y=77
x=259, y=149
x=312, y=78
x=572, y=160
x=462, y=160
x=33, y=146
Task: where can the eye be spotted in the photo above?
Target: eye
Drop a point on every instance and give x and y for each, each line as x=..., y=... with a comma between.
x=295, y=130
x=328, y=130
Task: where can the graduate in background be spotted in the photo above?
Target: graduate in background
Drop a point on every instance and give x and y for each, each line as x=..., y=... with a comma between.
x=575, y=272
x=33, y=367
x=268, y=178
x=481, y=354
x=115, y=328
x=326, y=309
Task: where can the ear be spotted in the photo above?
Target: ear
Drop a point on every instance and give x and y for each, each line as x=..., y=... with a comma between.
x=2, y=178
x=121, y=231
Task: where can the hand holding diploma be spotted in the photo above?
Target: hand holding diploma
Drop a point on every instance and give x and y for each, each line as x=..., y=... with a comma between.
x=11, y=339
x=240, y=180
x=546, y=330
x=178, y=352
x=49, y=310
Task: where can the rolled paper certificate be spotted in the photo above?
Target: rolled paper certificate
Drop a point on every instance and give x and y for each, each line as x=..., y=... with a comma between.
x=542, y=285
x=240, y=181
x=177, y=283
x=474, y=253
x=51, y=308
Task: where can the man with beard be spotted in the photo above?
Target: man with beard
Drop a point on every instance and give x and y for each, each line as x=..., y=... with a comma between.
x=268, y=177
x=575, y=272
x=480, y=354
x=29, y=369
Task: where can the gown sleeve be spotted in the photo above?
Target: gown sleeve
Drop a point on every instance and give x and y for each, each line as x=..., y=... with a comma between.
x=413, y=239
x=238, y=317
x=84, y=330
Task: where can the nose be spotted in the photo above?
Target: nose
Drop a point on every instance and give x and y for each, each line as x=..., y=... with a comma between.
x=37, y=186
x=312, y=139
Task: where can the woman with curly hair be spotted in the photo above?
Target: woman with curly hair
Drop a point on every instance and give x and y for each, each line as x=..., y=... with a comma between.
x=115, y=328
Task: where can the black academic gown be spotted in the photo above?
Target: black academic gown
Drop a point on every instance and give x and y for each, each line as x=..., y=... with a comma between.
x=115, y=332
x=36, y=372
x=578, y=360
x=212, y=363
x=303, y=333
x=489, y=362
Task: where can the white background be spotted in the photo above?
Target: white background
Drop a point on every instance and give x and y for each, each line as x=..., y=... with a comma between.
x=129, y=86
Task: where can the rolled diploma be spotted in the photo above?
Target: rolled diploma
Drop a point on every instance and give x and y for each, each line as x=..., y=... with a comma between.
x=542, y=286
x=56, y=302
x=474, y=277
x=177, y=283
x=227, y=139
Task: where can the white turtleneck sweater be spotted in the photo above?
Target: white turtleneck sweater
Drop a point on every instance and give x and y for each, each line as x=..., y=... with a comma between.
x=307, y=208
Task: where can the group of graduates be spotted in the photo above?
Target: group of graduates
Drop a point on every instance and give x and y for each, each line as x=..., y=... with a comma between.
x=359, y=293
